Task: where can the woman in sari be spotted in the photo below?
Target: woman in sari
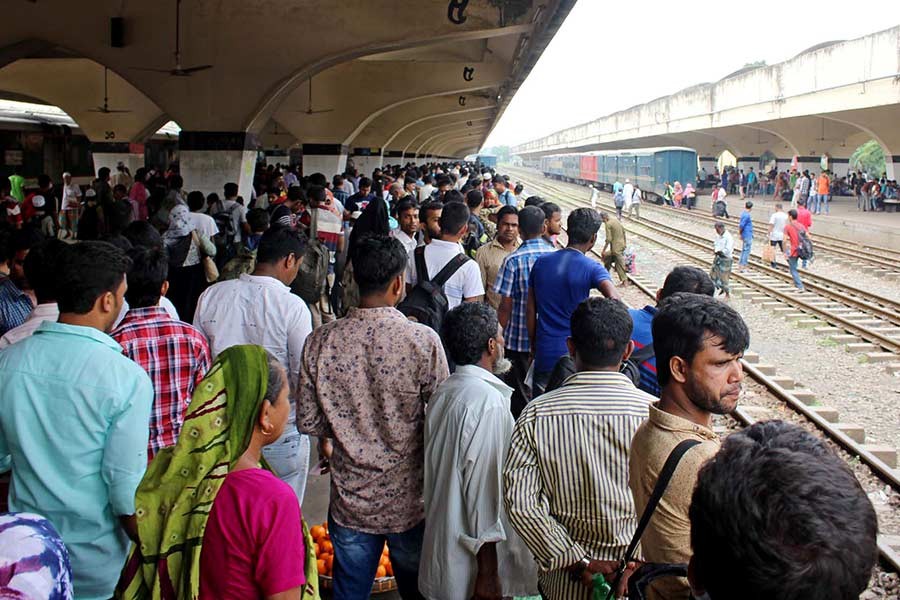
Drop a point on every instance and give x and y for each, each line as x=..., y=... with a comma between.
x=678, y=194
x=33, y=558
x=212, y=523
x=186, y=246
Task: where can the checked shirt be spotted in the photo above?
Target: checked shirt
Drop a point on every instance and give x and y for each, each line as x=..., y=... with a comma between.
x=175, y=355
x=512, y=282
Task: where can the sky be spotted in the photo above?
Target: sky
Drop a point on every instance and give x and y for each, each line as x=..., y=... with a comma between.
x=608, y=55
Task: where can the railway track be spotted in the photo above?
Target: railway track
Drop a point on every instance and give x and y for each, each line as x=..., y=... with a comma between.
x=849, y=448
x=872, y=259
x=867, y=323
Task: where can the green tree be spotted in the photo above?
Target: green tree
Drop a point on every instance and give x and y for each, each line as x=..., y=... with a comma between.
x=869, y=157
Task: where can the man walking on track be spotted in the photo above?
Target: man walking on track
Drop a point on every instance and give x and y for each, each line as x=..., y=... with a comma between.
x=615, y=241
x=722, y=261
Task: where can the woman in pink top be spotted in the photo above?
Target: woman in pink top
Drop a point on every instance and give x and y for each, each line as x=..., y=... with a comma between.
x=212, y=523
x=138, y=196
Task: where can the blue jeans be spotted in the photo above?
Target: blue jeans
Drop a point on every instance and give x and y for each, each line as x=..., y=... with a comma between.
x=745, y=251
x=289, y=458
x=822, y=203
x=792, y=264
x=356, y=556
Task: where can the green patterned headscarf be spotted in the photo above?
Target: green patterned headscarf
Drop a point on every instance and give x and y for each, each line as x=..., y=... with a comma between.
x=176, y=495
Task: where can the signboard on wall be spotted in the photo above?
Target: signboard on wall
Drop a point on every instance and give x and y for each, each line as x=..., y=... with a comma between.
x=13, y=158
x=825, y=162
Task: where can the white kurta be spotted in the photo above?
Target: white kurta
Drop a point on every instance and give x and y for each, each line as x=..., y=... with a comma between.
x=468, y=428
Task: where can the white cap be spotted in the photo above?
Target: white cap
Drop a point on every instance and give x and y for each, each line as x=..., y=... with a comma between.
x=38, y=201
x=89, y=193
x=67, y=174
x=487, y=176
x=627, y=180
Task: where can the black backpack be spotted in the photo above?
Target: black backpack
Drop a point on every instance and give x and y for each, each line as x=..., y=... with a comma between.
x=426, y=303
x=632, y=367
x=805, y=248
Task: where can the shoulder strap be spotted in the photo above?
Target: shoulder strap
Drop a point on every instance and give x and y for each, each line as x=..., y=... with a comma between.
x=313, y=223
x=421, y=266
x=449, y=269
x=643, y=354
x=658, y=490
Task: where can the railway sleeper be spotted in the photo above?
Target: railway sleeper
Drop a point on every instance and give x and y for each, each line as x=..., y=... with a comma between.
x=855, y=432
x=886, y=454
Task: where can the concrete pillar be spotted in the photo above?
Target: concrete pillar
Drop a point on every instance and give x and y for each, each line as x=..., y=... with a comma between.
x=892, y=166
x=841, y=166
x=366, y=160
x=278, y=156
x=327, y=159
x=813, y=164
x=745, y=162
x=210, y=159
x=110, y=154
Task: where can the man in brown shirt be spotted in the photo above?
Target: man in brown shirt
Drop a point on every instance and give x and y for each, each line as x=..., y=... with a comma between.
x=490, y=256
x=364, y=382
x=698, y=343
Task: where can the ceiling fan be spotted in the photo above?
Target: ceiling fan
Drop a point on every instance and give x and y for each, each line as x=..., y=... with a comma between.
x=105, y=109
x=178, y=71
x=309, y=105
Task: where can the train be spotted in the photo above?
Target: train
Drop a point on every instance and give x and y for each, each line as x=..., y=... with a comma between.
x=649, y=168
x=486, y=160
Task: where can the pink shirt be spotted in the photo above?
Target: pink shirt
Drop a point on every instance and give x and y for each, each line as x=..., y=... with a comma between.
x=253, y=545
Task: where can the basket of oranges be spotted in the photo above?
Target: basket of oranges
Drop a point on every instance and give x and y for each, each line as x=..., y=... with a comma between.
x=384, y=575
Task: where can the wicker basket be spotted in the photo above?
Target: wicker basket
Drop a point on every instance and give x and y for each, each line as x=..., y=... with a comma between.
x=381, y=585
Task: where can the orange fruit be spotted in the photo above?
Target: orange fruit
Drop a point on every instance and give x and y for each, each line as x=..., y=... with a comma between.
x=320, y=564
x=327, y=547
x=385, y=561
x=317, y=532
x=329, y=561
x=381, y=572
x=390, y=570
x=316, y=548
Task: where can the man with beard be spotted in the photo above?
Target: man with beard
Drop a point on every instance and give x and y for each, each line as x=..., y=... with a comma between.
x=566, y=474
x=467, y=431
x=430, y=220
x=698, y=342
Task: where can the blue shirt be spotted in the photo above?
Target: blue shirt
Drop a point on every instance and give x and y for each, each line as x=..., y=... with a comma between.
x=74, y=417
x=746, y=226
x=561, y=281
x=15, y=305
x=507, y=198
x=617, y=187
x=642, y=335
x=512, y=282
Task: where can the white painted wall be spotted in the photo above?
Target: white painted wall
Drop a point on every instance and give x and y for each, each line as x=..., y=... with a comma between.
x=327, y=165
x=209, y=170
x=111, y=160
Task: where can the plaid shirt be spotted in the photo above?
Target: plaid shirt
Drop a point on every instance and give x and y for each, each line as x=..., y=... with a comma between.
x=15, y=305
x=175, y=355
x=512, y=282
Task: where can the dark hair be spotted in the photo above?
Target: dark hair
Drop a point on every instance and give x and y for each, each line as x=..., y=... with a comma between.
x=85, y=271
x=454, y=196
x=601, y=329
x=120, y=188
x=316, y=194
x=231, y=190
x=43, y=180
x=176, y=182
x=427, y=207
x=374, y=220
x=26, y=239
x=118, y=240
x=258, y=219
x=142, y=234
x=279, y=242
x=376, y=261
x=149, y=269
x=103, y=173
x=687, y=279
x=277, y=378
x=549, y=209
x=318, y=179
x=788, y=499
x=533, y=201
x=212, y=197
x=474, y=199
x=582, y=225
x=684, y=321
x=454, y=217
x=365, y=182
x=793, y=214
x=506, y=209
x=195, y=201
x=41, y=267
x=748, y=203
x=405, y=204
x=531, y=221
x=443, y=180
x=466, y=330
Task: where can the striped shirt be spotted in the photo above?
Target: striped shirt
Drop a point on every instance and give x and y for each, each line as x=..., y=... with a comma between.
x=512, y=282
x=566, y=475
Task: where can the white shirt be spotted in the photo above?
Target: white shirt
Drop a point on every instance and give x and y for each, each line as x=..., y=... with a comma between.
x=468, y=428
x=724, y=243
x=409, y=243
x=778, y=220
x=238, y=216
x=42, y=312
x=425, y=192
x=637, y=196
x=627, y=193
x=465, y=283
x=204, y=224
x=70, y=195
x=258, y=310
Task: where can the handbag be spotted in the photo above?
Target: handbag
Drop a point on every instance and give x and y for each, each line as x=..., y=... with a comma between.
x=210, y=270
x=768, y=253
x=658, y=490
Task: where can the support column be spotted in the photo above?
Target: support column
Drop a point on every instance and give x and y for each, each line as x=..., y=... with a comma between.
x=841, y=166
x=709, y=163
x=210, y=159
x=892, y=166
x=327, y=159
x=745, y=162
x=278, y=156
x=110, y=154
x=813, y=164
x=366, y=160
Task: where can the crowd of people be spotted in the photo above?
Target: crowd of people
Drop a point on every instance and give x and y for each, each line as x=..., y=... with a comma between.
x=483, y=400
